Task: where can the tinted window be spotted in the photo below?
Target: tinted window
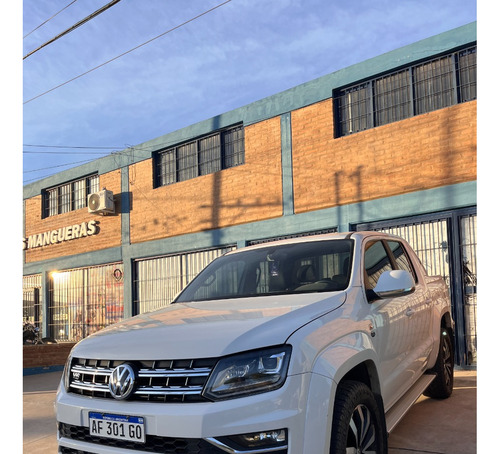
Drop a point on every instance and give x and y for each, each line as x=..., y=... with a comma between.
x=317, y=266
x=402, y=260
x=376, y=262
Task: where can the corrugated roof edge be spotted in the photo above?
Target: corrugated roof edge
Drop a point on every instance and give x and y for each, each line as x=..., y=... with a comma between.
x=286, y=101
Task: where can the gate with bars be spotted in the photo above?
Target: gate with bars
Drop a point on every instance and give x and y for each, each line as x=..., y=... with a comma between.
x=446, y=245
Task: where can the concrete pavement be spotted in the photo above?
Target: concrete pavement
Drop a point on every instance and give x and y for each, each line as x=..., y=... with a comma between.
x=431, y=426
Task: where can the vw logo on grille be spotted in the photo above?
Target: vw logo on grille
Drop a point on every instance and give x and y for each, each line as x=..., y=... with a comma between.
x=122, y=381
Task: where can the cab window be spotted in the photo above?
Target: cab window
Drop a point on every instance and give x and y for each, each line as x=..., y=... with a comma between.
x=376, y=262
x=401, y=258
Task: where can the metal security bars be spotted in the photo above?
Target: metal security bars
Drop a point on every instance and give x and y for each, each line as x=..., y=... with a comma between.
x=430, y=241
x=468, y=243
x=69, y=196
x=32, y=300
x=158, y=280
x=202, y=156
x=84, y=300
x=414, y=90
x=446, y=245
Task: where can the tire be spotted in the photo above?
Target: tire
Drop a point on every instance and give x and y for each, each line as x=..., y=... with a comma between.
x=358, y=423
x=442, y=386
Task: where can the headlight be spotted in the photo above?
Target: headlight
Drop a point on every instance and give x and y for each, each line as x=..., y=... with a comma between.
x=66, y=372
x=253, y=372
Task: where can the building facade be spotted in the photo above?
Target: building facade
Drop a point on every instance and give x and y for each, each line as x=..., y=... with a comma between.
x=387, y=144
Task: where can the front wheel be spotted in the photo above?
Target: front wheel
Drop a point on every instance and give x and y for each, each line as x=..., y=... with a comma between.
x=442, y=386
x=358, y=423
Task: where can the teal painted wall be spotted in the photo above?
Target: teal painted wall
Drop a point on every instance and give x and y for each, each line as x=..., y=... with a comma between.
x=413, y=204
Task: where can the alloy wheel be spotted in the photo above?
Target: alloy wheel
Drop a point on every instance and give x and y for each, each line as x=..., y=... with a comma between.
x=362, y=432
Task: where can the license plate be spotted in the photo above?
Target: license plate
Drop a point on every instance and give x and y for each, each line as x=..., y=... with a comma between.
x=119, y=427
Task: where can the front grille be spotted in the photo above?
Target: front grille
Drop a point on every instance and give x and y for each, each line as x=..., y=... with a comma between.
x=154, y=444
x=158, y=381
x=66, y=450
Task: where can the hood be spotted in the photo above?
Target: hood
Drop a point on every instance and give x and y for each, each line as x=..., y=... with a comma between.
x=209, y=328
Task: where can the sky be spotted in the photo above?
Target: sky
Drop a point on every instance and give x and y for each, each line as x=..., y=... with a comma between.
x=239, y=52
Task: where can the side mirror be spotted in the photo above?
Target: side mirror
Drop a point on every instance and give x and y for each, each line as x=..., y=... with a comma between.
x=394, y=283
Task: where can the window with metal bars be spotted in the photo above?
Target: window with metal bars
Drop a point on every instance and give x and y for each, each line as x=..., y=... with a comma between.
x=414, y=90
x=202, y=156
x=84, y=300
x=68, y=196
x=32, y=300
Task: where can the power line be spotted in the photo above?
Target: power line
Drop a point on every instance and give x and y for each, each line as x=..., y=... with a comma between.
x=67, y=146
x=60, y=165
x=128, y=52
x=74, y=27
x=66, y=152
x=129, y=151
x=124, y=149
x=50, y=18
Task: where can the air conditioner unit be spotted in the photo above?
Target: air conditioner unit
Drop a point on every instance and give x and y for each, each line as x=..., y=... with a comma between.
x=101, y=202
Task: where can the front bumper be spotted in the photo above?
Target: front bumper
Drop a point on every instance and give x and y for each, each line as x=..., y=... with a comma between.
x=201, y=428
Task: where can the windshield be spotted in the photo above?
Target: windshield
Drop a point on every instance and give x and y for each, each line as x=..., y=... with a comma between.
x=319, y=266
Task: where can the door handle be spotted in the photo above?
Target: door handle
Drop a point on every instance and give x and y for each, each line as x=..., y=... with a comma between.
x=410, y=312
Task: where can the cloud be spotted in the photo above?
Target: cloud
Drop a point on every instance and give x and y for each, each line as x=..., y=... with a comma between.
x=240, y=53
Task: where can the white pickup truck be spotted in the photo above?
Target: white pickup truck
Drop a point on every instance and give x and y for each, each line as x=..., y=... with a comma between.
x=313, y=345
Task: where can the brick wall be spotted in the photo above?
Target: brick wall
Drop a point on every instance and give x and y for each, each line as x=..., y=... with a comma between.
x=427, y=151
x=423, y=152
x=45, y=355
x=109, y=226
x=246, y=193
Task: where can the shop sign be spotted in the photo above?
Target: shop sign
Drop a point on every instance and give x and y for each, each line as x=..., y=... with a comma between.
x=60, y=235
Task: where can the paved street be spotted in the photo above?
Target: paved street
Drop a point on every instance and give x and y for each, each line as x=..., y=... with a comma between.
x=431, y=426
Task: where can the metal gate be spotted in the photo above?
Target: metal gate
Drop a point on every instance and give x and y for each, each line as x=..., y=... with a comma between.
x=32, y=302
x=159, y=279
x=446, y=245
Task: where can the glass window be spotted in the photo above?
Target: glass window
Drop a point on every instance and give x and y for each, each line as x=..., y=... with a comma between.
x=85, y=300
x=414, y=90
x=32, y=302
x=376, y=262
x=187, y=161
x=354, y=109
x=69, y=196
x=159, y=280
x=52, y=200
x=318, y=266
x=65, y=198
x=467, y=74
x=434, y=85
x=210, y=156
x=203, y=156
x=234, y=147
x=167, y=170
x=93, y=184
x=80, y=194
x=392, y=99
x=402, y=260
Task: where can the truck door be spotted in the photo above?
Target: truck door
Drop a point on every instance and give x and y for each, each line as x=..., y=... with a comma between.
x=420, y=316
x=391, y=325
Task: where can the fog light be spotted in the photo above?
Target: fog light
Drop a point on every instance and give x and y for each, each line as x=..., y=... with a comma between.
x=267, y=439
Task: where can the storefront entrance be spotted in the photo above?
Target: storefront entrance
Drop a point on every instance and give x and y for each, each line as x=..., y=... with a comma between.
x=84, y=300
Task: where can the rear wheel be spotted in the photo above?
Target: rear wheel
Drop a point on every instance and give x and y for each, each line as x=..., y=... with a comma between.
x=358, y=424
x=442, y=386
